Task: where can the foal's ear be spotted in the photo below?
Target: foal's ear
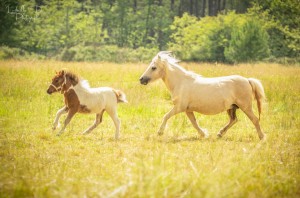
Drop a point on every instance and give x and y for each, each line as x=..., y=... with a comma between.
x=62, y=72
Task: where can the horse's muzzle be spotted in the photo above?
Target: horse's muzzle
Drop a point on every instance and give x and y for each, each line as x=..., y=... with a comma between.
x=49, y=91
x=144, y=80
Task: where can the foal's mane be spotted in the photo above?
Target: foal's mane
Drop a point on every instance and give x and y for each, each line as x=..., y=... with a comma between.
x=168, y=56
x=76, y=79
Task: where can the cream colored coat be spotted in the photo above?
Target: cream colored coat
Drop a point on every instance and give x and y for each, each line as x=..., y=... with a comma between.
x=191, y=92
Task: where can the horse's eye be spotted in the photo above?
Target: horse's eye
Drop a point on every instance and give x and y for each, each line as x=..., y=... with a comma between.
x=153, y=68
x=56, y=80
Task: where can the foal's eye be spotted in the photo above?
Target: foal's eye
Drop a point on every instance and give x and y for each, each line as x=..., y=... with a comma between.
x=153, y=68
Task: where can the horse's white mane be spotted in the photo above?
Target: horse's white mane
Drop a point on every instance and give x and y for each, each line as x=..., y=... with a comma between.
x=168, y=56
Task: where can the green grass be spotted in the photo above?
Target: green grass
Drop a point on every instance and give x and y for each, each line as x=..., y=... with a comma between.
x=34, y=162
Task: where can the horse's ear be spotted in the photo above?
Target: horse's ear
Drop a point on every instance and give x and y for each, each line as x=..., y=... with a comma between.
x=158, y=57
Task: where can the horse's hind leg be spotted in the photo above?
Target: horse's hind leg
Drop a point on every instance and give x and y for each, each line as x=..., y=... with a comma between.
x=114, y=116
x=255, y=121
x=98, y=120
x=192, y=118
x=233, y=119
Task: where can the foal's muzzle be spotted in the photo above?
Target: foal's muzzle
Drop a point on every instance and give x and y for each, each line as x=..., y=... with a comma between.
x=49, y=91
x=144, y=80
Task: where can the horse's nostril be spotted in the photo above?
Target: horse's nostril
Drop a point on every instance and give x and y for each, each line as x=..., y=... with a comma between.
x=144, y=80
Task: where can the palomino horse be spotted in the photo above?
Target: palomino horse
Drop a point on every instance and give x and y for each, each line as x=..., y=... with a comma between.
x=191, y=92
x=80, y=97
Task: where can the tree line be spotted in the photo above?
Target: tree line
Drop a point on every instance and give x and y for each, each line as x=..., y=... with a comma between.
x=133, y=30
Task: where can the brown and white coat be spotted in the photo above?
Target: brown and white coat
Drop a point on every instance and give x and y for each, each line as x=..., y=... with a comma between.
x=80, y=97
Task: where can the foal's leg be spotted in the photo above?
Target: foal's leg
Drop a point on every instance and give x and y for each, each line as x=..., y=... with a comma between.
x=232, y=121
x=98, y=120
x=58, y=114
x=255, y=121
x=167, y=116
x=71, y=113
x=114, y=116
x=192, y=118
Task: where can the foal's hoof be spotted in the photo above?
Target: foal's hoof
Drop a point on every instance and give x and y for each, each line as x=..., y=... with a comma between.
x=160, y=133
x=59, y=133
x=219, y=135
x=204, y=133
x=263, y=138
x=55, y=126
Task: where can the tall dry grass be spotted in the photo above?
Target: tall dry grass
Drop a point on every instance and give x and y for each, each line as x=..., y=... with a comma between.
x=36, y=163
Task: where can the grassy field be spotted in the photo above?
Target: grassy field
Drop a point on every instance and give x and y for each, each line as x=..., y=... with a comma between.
x=34, y=162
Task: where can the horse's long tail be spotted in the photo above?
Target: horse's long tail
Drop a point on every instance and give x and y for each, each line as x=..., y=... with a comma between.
x=258, y=92
x=121, y=97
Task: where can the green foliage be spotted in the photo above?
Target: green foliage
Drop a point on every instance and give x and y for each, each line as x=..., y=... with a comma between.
x=249, y=43
x=183, y=36
x=282, y=17
x=57, y=28
x=17, y=54
x=225, y=38
x=107, y=53
x=205, y=39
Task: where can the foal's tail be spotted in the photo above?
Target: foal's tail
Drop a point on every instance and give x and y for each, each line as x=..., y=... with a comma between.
x=121, y=97
x=258, y=92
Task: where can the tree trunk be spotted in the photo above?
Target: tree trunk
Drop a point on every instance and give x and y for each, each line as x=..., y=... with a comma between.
x=191, y=7
x=196, y=8
x=203, y=8
x=212, y=7
x=147, y=21
x=172, y=5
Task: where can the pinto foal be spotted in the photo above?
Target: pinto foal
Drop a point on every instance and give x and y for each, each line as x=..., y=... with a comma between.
x=80, y=97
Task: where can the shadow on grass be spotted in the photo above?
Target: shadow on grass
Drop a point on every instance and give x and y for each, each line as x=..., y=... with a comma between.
x=176, y=139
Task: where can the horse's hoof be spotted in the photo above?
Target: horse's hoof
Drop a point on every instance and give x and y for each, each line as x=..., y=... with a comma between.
x=160, y=133
x=219, y=135
x=85, y=132
x=54, y=126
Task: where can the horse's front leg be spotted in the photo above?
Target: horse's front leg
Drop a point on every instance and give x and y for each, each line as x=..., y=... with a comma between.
x=71, y=113
x=58, y=114
x=192, y=118
x=175, y=110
